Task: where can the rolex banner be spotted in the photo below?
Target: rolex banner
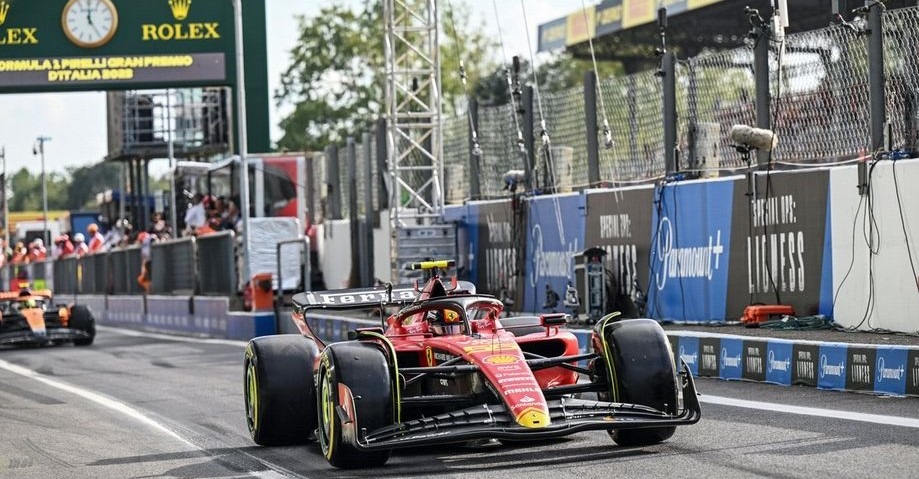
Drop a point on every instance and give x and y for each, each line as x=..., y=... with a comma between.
x=784, y=257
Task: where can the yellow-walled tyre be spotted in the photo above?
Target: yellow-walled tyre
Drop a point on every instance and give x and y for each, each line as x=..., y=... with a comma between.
x=279, y=392
x=81, y=318
x=362, y=370
x=638, y=366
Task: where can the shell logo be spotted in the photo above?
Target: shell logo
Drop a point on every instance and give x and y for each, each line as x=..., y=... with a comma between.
x=501, y=359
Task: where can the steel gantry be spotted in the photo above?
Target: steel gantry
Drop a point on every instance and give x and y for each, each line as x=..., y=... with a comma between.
x=414, y=136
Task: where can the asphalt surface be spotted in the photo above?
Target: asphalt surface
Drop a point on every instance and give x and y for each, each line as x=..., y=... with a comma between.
x=189, y=422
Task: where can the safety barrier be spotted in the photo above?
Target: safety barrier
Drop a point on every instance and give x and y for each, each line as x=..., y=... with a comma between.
x=216, y=262
x=173, y=268
x=124, y=268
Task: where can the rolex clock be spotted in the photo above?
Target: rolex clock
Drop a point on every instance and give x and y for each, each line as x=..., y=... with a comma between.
x=89, y=23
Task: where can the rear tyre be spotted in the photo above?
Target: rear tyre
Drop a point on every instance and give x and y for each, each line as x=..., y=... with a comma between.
x=361, y=371
x=643, y=372
x=82, y=319
x=279, y=391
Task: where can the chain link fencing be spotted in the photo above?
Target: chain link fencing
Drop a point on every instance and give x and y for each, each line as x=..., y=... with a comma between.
x=820, y=111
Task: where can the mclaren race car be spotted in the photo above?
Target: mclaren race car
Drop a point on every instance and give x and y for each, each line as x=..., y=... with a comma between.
x=447, y=367
x=30, y=317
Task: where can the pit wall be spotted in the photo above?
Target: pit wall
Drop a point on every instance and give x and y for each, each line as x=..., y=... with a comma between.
x=690, y=247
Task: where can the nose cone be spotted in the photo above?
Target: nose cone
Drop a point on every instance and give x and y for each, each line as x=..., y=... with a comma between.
x=533, y=418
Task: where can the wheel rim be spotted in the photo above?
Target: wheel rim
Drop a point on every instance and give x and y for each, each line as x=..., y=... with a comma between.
x=251, y=394
x=326, y=413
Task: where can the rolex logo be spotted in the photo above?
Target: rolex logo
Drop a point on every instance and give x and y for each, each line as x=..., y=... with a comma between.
x=4, y=8
x=179, y=8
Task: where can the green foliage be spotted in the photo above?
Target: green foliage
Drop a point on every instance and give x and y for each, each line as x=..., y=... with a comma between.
x=336, y=83
x=74, y=190
x=556, y=72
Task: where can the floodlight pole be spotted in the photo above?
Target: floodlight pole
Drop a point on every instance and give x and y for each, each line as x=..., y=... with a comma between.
x=6, y=206
x=170, y=152
x=241, y=137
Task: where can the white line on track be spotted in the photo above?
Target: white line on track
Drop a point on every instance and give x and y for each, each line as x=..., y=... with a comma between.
x=99, y=399
x=170, y=337
x=274, y=471
x=812, y=411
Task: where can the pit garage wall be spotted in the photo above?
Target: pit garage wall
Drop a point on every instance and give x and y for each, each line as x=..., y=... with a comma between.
x=695, y=255
x=893, y=301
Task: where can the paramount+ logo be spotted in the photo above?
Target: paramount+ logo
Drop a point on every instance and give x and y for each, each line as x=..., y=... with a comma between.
x=180, y=30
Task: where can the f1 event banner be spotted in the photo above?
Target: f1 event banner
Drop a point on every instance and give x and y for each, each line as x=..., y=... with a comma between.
x=620, y=223
x=784, y=258
x=690, y=242
x=493, y=234
x=554, y=236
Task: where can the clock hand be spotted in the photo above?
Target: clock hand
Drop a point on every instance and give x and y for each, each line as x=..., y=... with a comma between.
x=96, y=30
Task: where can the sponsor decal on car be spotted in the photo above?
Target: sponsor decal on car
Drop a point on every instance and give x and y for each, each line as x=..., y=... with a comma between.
x=501, y=359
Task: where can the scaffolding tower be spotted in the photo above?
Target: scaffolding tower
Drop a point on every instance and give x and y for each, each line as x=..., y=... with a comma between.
x=413, y=132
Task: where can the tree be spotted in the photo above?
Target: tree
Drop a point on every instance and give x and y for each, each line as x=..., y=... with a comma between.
x=336, y=83
x=87, y=181
x=73, y=190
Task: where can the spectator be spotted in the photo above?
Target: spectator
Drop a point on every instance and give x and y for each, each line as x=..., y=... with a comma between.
x=20, y=254
x=146, y=240
x=62, y=246
x=96, y=240
x=37, y=251
x=79, y=245
x=196, y=216
x=212, y=226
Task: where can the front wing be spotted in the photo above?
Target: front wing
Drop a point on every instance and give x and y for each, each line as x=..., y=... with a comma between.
x=568, y=416
x=28, y=337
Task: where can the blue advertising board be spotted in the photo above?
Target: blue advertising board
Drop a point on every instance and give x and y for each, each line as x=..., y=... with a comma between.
x=891, y=371
x=555, y=234
x=831, y=370
x=690, y=242
x=778, y=362
x=731, y=358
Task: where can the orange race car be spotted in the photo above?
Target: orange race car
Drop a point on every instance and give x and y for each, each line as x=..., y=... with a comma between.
x=30, y=317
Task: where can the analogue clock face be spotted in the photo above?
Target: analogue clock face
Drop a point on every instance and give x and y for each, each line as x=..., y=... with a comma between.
x=89, y=23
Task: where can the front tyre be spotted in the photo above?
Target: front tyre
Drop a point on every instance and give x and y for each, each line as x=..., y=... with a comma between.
x=641, y=371
x=279, y=392
x=355, y=377
x=82, y=319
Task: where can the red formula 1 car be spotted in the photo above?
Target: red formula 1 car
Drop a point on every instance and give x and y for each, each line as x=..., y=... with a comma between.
x=448, y=368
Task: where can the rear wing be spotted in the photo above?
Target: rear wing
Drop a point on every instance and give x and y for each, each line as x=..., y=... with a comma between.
x=363, y=298
x=355, y=298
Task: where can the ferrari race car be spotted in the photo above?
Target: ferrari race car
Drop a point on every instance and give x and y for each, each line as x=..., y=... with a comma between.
x=30, y=317
x=448, y=368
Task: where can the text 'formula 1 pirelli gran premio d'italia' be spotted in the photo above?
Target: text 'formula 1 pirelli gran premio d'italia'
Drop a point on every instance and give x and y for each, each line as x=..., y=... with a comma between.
x=447, y=367
x=30, y=317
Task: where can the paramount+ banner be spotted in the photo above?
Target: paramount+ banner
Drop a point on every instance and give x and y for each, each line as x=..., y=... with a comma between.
x=787, y=248
x=620, y=223
x=890, y=370
x=690, y=244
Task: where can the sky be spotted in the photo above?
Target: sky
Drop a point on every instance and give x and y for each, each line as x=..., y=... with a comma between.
x=76, y=122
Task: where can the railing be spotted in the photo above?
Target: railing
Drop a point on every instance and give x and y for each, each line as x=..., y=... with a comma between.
x=206, y=265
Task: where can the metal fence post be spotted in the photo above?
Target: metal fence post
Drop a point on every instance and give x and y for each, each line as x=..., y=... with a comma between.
x=355, y=276
x=761, y=73
x=332, y=181
x=668, y=71
x=475, y=189
x=367, y=250
x=526, y=104
x=382, y=166
x=632, y=82
x=875, y=87
x=590, y=122
x=693, y=107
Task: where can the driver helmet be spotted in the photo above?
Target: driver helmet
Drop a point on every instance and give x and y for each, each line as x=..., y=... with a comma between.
x=30, y=303
x=447, y=322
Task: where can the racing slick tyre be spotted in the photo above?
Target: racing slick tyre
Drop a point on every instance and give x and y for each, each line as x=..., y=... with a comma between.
x=353, y=376
x=280, y=395
x=642, y=373
x=82, y=319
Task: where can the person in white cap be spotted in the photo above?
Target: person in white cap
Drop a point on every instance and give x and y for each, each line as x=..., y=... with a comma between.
x=79, y=244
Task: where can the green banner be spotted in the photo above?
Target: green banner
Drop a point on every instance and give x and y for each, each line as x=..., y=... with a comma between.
x=67, y=45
